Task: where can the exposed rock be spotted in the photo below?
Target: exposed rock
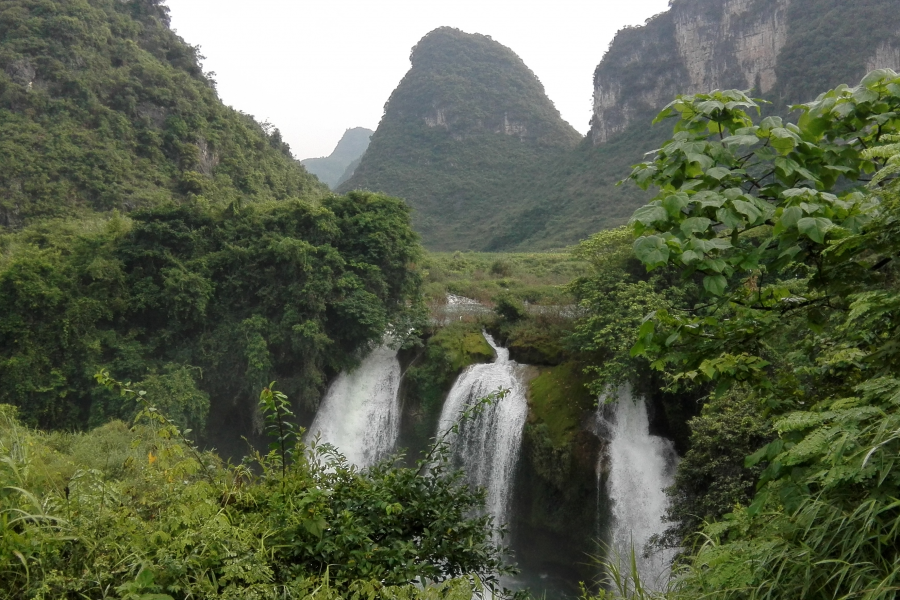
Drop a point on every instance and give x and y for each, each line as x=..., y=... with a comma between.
x=711, y=46
x=22, y=72
x=887, y=56
x=438, y=120
x=702, y=45
x=208, y=159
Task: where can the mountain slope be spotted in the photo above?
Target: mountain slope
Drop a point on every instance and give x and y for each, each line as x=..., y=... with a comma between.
x=786, y=51
x=102, y=106
x=333, y=169
x=465, y=135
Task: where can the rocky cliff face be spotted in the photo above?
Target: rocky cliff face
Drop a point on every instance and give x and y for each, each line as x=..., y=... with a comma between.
x=776, y=48
x=886, y=56
x=740, y=45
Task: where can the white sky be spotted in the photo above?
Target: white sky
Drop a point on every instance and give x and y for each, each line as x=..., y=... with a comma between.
x=315, y=68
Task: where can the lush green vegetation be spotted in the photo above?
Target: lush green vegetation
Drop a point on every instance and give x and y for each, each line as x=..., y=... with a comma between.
x=788, y=231
x=465, y=136
x=615, y=298
x=151, y=235
x=139, y=514
x=433, y=367
x=825, y=48
x=558, y=397
x=536, y=278
x=102, y=106
x=579, y=194
x=199, y=301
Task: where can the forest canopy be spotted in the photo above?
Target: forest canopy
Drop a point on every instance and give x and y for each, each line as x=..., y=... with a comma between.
x=211, y=303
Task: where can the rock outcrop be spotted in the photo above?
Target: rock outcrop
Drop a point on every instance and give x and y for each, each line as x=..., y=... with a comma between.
x=886, y=56
x=779, y=49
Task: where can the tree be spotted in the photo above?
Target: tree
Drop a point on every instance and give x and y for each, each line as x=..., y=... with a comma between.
x=791, y=230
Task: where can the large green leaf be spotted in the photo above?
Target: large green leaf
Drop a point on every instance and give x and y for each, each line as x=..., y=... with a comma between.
x=650, y=215
x=695, y=225
x=748, y=210
x=651, y=250
x=715, y=284
x=718, y=173
x=790, y=216
x=815, y=228
x=783, y=140
x=674, y=203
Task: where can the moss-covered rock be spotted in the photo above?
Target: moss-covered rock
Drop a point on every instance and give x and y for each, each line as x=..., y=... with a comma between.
x=558, y=399
x=557, y=499
x=430, y=372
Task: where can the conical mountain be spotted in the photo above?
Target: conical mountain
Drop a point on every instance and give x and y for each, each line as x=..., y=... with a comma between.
x=465, y=135
x=103, y=107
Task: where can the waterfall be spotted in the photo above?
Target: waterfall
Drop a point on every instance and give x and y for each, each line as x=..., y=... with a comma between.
x=640, y=467
x=488, y=447
x=360, y=414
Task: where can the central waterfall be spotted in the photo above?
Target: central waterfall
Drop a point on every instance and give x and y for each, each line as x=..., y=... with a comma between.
x=360, y=414
x=640, y=467
x=487, y=446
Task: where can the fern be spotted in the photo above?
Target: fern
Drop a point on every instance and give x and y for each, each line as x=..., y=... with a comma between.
x=889, y=155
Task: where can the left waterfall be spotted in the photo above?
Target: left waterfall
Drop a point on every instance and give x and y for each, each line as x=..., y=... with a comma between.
x=360, y=414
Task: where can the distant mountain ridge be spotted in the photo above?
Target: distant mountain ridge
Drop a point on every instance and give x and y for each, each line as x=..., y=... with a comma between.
x=553, y=188
x=465, y=134
x=335, y=168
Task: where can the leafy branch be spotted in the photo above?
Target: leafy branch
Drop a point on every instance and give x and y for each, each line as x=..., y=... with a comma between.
x=471, y=412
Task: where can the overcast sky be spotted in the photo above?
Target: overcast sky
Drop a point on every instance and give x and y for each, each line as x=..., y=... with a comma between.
x=315, y=68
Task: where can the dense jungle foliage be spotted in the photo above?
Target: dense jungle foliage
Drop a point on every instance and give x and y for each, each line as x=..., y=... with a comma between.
x=148, y=229
x=211, y=304
x=102, y=106
x=152, y=235
x=788, y=232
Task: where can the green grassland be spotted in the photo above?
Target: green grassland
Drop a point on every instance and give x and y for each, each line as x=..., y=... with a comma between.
x=534, y=277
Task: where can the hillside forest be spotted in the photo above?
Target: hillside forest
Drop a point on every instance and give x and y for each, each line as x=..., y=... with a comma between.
x=177, y=292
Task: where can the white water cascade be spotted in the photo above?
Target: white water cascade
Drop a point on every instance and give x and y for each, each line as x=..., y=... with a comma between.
x=640, y=466
x=360, y=414
x=488, y=446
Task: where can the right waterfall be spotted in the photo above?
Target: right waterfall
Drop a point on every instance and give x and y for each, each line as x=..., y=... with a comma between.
x=640, y=466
